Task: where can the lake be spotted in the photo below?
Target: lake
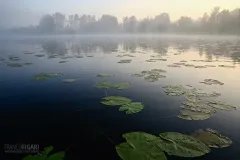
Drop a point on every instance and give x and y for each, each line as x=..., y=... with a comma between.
x=71, y=117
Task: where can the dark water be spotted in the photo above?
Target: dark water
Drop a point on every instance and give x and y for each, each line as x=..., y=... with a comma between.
x=70, y=116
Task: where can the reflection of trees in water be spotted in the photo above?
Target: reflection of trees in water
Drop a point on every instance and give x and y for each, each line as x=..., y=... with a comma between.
x=54, y=48
x=210, y=49
x=220, y=49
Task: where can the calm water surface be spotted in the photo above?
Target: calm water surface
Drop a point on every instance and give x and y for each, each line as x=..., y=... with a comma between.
x=70, y=115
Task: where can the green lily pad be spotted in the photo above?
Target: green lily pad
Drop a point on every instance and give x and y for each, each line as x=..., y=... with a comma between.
x=226, y=66
x=179, y=63
x=151, y=60
x=210, y=66
x=69, y=80
x=131, y=108
x=181, y=145
x=14, y=65
x=45, y=155
x=104, y=85
x=200, y=66
x=221, y=105
x=174, y=66
x=62, y=61
x=211, y=82
x=189, y=65
x=157, y=59
x=191, y=115
x=123, y=85
x=40, y=55
x=153, y=78
x=212, y=138
x=198, y=106
x=125, y=61
x=138, y=75
x=27, y=64
x=45, y=76
x=159, y=70
x=174, y=90
x=105, y=75
x=115, y=100
x=140, y=146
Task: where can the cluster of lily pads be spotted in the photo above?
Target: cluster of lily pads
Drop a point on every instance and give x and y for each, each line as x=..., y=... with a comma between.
x=199, y=105
x=140, y=145
x=211, y=82
x=152, y=75
x=45, y=155
x=107, y=85
x=125, y=104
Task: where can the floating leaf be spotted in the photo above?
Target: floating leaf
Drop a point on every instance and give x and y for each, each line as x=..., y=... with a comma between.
x=79, y=56
x=179, y=63
x=105, y=75
x=140, y=146
x=174, y=90
x=89, y=56
x=104, y=85
x=159, y=70
x=125, y=55
x=183, y=61
x=115, y=100
x=178, y=144
x=210, y=66
x=14, y=65
x=153, y=78
x=27, y=64
x=198, y=106
x=189, y=65
x=132, y=108
x=226, y=66
x=40, y=55
x=221, y=105
x=62, y=61
x=200, y=66
x=123, y=85
x=44, y=76
x=150, y=60
x=174, y=65
x=125, y=61
x=157, y=59
x=69, y=80
x=191, y=115
x=212, y=138
x=14, y=58
x=211, y=82
x=138, y=75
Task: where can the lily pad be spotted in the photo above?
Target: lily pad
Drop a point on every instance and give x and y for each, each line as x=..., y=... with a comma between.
x=198, y=106
x=125, y=61
x=159, y=70
x=221, y=105
x=105, y=75
x=140, y=146
x=89, y=56
x=191, y=115
x=14, y=65
x=14, y=58
x=189, y=65
x=104, y=85
x=132, y=108
x=123, y=85
x=45, y=155
x=212, y=138
x=138, y=75
x=45, y=76
x=153, y=78
x=125, y=55
x=62, y=61
x=200, y=66
x=180, y=63
x=211, y=82
x=174, y=66
x=157, y=59
x=150, y=60
x=115, y=100
x=69, y=80
x=27, y=64
x=40, y=55
x=181, y=145
x=210, y=66
x=174, y=90
x=226, y=66
x=79, y=56
x=183, y=61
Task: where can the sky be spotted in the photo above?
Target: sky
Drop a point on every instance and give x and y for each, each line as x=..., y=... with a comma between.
x=140, y=8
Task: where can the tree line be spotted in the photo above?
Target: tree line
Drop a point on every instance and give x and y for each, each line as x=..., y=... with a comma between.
x=216, y=22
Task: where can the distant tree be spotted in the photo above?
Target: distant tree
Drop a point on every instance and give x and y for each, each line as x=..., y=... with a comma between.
x=59, y=20
x=185, y=24
x=108, y=23
x=161, y=22
x=47, y=24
